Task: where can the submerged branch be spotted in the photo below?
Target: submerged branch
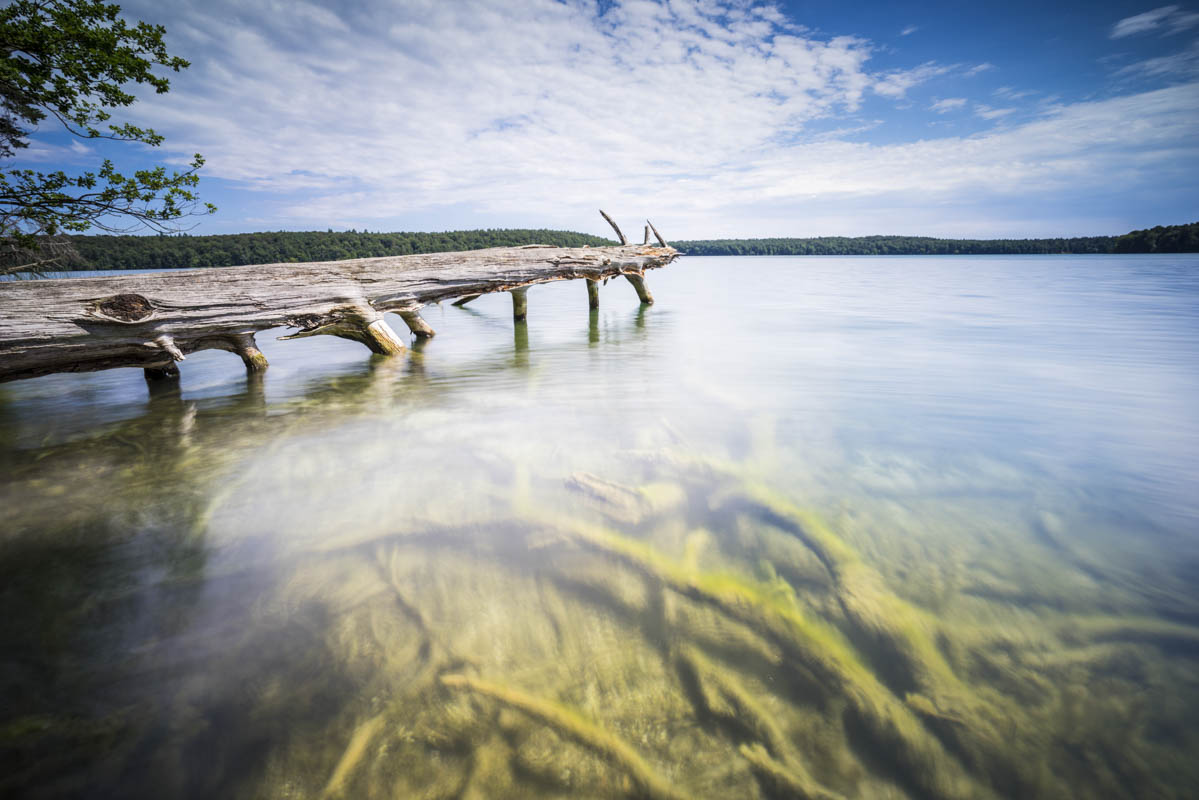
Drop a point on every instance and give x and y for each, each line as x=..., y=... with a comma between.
x=571, y=725
x=811, y=642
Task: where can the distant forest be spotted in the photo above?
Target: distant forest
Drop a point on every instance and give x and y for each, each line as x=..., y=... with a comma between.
x=893, y=246
x=1171, y=239
x=182, y=251
x=1162, y=239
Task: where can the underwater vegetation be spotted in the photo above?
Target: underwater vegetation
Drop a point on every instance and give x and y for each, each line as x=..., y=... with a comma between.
x=320, y=622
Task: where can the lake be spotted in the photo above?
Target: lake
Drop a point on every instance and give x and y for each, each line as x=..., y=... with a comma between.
x=820, y=526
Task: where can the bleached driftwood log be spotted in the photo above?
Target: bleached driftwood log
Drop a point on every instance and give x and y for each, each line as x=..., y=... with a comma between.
x=154, y=320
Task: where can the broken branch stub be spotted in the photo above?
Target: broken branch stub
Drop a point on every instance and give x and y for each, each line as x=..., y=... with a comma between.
x=657, y=235
x=615, y=227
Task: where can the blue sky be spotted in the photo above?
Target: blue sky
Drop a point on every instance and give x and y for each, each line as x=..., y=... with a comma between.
x=714, y=118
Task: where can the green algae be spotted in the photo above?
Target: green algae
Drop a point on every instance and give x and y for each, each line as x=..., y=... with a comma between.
x=824, y=667
x=819, y=646
x=571, y=724
x=879, y=615
x=772, y=755
x=354, y=753
x=782, y=780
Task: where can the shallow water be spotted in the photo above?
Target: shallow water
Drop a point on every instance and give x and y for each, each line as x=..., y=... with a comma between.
x=858, y=527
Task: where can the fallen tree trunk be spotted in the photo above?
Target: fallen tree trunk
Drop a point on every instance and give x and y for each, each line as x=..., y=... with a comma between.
x=154, y=320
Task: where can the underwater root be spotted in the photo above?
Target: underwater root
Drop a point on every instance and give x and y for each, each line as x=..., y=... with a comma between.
x=832, y=551
x=1171, y=637
x=772, y=757
x=724, y=698
x=573, y=726
x=814, y=643
x=354, y=752
x=903, y=629
x=780, y=780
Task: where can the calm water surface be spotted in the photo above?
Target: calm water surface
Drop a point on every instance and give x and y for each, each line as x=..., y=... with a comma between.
x=807, y=527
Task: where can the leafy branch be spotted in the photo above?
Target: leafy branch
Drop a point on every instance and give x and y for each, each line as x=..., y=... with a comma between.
x=74, y=61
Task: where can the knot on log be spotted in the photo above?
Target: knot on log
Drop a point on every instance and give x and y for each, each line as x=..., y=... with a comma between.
x=305, y=322
x=123, y=308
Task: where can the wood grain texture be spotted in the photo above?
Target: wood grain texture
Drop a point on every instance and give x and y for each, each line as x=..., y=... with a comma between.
x=156, y=319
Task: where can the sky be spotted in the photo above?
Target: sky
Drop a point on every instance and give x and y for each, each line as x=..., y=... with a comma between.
x=713, y=118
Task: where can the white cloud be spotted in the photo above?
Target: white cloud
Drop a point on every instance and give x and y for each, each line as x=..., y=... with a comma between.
x=700, y=113
x=1170, y=19
x=1091, y=144
x=948, y=104
x=42, y=153
x=986, y=112
x=1008, y=93
x=979, y=68
x=1140, y=23
x=431, y=93
x=1183, y=22
x=897, y=82
x=909, y=30
x=1181, y=65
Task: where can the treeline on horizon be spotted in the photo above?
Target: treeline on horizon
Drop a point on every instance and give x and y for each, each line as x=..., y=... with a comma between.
x=185, y=251
x=1162, y=239
x=182, y=251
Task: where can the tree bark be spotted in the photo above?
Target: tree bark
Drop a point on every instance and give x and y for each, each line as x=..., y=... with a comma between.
x=642, y=290
x=520, y=303
x=154, y=320
x=417, y=324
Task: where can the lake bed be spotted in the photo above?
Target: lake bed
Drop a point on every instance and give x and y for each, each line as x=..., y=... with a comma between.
x=859, y=526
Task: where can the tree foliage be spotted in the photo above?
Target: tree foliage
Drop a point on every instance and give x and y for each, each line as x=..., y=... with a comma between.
x=71, y=63
x=1161, y=239
x=892, y=246
x=182, y=251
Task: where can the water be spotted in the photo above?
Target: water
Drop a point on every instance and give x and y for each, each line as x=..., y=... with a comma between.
x=865, y=527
